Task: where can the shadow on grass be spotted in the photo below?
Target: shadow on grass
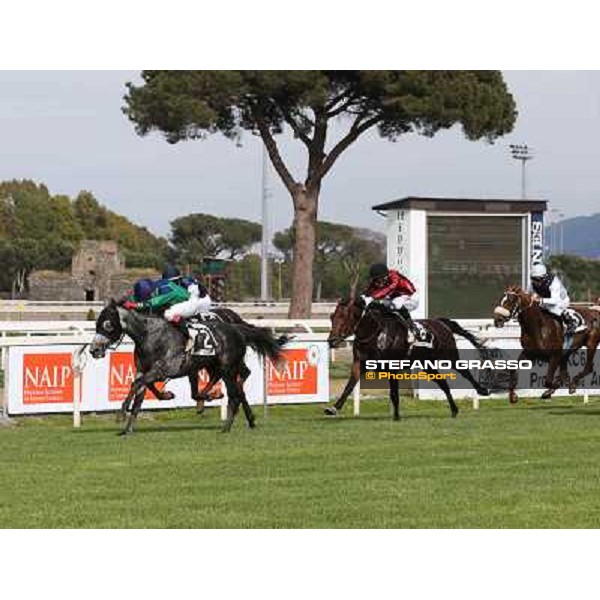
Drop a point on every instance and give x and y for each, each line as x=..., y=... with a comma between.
x=575, y=410
x=349, y=418
x=166, y=428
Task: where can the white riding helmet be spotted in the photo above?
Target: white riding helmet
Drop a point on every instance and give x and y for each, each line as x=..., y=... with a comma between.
x=538, y=270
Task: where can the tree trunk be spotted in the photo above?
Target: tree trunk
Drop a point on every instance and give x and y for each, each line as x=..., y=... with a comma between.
x=305, y=216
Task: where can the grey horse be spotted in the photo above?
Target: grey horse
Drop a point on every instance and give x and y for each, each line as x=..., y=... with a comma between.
x=161, y=355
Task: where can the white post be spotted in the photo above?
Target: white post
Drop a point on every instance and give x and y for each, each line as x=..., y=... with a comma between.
x=265, y=387
x=475, y=402
x=586, y=398
x=4, y=407
x=76, y=398
x=357, y=399
x=224, y=402
x=78, y=365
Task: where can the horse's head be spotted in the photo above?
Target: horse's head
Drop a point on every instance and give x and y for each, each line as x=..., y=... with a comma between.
x=511, y=304
x=109, y=330
x=344, y=320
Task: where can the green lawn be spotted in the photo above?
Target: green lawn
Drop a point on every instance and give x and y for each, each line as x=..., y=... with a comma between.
x=536, y=464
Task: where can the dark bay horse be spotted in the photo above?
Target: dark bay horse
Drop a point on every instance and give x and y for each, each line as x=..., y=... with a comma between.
x=370, y=325
x=161, y=355
x=542, y=338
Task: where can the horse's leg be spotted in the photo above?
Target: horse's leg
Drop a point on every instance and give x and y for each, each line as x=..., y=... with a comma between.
x=352, y=381
x=588, y=368
x=476, y=385
x=214, y=374
x=122, y=414
x=551, y=385
x=139, y=386
x=165, y=395
x=233, y=403
x=564, y=380
x=443, y=385
x=513, y=377
x=395, y=398
x=244, y=374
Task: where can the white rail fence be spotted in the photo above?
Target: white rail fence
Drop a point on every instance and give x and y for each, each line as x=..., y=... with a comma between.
x=77, y=333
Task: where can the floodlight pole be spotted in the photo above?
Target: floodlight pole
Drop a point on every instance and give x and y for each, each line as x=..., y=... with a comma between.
x=523, y=153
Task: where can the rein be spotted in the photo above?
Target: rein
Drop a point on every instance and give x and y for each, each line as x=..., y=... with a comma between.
x=114, y=345
x=375, y=332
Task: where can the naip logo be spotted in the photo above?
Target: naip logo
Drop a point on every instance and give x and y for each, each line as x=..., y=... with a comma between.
x=298, y=375
x=121, y=375
x=47, y=378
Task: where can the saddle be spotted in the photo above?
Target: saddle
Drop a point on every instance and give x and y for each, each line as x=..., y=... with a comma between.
x=202, y=339
x=577, y=319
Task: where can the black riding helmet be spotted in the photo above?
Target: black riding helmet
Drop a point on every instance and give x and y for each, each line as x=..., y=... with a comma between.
x=378, y=270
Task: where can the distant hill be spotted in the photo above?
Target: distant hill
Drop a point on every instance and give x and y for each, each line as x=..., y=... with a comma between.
x=581, y=236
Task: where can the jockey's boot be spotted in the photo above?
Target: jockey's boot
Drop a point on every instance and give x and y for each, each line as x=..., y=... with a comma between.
x=569, y=323
x=181, y=325
x=413, y=331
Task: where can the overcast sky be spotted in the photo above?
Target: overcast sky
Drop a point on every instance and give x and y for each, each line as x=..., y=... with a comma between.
x=66, y=129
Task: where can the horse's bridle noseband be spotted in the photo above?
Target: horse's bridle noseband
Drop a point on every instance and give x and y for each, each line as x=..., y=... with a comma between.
x=517, y=308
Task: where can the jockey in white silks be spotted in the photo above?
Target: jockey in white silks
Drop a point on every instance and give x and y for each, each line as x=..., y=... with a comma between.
x=549, y=291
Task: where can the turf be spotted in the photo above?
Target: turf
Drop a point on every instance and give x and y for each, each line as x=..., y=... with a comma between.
x=532, y=465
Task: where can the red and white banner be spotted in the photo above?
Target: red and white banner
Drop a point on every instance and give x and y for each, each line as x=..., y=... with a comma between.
x=40, y=379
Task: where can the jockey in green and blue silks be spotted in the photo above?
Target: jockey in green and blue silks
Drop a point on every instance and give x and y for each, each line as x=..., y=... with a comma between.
x=179, y=297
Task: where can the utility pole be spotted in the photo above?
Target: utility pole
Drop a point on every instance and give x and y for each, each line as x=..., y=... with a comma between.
x=523, y=153
x=264, y=248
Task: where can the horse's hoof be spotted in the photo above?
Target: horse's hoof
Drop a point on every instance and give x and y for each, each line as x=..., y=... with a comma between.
x=547, y=394
x=166, y=396
x=252, y=425
x=513, y=399
x=484, y=392
x=123, y=433
x=331, y=411
x=454, y=414
x=397, y=418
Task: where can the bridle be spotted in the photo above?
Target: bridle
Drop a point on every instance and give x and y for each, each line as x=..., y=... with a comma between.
x=516, y=309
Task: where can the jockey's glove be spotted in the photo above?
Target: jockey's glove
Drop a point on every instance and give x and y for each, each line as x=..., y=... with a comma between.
x=367, y=300
x=129, y=305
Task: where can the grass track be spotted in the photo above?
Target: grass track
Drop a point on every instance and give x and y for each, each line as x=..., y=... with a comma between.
x=531, y=465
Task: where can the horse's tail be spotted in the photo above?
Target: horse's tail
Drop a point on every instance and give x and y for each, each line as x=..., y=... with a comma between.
x=458, y=330
x=263, y=341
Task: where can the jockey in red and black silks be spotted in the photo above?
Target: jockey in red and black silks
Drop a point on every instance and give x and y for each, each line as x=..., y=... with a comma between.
x=390, y=284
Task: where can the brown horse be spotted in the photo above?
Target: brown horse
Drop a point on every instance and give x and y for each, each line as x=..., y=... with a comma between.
x=377, y=330
x=542, y=338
